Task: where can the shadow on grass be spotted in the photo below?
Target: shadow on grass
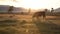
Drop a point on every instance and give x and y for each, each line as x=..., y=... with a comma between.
x=11, y=30
x=47, y=28
x=8, y=23
x=44, y=27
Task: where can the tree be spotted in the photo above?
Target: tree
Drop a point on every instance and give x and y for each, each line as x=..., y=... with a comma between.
x=10, y=9
x=52, y=9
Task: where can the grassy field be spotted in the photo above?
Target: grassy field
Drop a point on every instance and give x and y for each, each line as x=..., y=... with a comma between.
x=23, y=24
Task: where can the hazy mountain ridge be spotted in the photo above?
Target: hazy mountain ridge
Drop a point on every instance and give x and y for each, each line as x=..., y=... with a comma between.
x=5, y=8
x=57, y=10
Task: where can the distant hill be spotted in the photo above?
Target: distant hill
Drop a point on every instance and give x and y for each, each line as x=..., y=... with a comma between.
x=57, y=10
x=5, y=8
x=18, y=10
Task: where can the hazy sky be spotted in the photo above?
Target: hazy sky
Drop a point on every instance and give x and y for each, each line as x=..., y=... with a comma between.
x=35, y=4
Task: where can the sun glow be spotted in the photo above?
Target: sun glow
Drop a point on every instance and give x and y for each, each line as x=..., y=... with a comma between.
x=34, y=4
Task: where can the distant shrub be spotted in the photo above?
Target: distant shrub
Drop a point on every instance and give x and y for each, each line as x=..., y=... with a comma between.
x=47, y=27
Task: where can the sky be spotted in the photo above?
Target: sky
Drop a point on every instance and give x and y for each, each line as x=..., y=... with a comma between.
x=34, y=4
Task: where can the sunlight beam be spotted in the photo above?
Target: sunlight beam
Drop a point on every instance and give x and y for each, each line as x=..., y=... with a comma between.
x=34, y=4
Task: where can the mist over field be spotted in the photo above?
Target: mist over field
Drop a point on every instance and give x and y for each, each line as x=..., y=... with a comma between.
x=20, y=21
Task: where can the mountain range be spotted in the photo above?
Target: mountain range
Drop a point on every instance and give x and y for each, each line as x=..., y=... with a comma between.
x=5, y=8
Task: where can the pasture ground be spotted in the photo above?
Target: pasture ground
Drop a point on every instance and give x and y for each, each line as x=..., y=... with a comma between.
x=23, y=24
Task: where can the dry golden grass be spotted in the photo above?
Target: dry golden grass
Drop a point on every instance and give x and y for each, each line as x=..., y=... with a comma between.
x=24, y=17
x=25, y=22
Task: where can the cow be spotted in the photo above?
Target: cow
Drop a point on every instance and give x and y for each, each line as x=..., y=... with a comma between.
x=39, y=14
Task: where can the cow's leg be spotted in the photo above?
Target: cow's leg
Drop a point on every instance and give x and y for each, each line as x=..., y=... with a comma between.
x=44, y=17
